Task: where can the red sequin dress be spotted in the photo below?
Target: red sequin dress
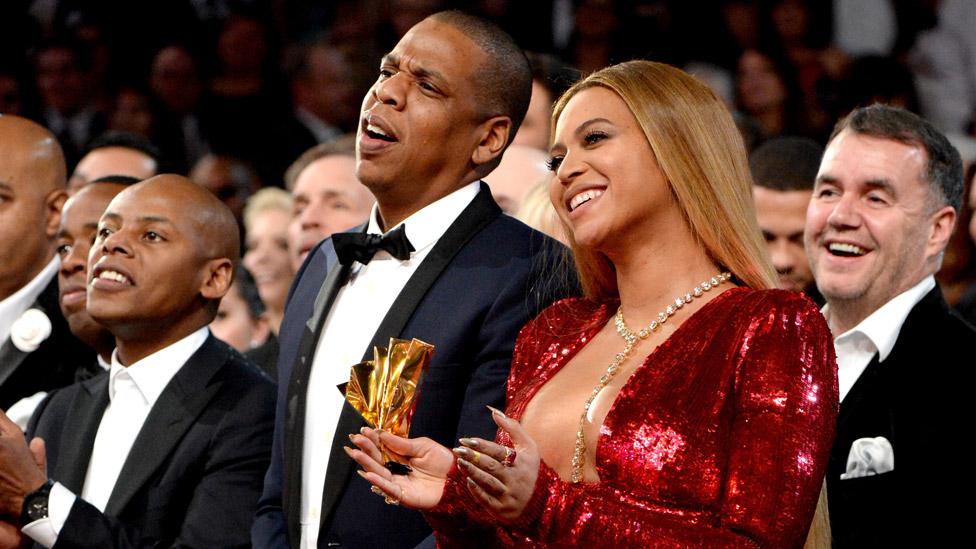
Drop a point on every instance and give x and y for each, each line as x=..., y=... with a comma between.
x=720, y=438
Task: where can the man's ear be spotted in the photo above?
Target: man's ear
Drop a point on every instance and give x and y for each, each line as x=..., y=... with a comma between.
x=53, y=204
x=219, y=274
x=494, y=137
x=943, y=220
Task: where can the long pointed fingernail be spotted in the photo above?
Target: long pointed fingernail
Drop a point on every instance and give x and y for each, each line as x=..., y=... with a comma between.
x=497, y=411
x=464, y=452
x=469, y=442
x=362, y=430
x=465, y=463
x=351, y=439
x=361, y=473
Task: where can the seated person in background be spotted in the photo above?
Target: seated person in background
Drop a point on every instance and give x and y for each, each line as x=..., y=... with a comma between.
x=681, y=403
x=79, y=220
x=37, y=350
x=886, y=201
x=328, y=197
x=115, y=153
x=169, y=448
x=266, y=256
x=240, y=323
x=783, y=172
x=519, y=170
x=550, y=78
x=230, y=179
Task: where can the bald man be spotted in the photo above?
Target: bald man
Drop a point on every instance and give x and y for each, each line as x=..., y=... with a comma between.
x=38, y=352
x=170, y=448
x=116, y=157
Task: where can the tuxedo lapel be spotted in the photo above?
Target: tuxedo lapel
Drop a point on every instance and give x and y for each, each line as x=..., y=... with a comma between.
x=10, y=359
x=78, y=435
x=479, y=213
x=178, y=406
x=297, y=395
x=10, y=356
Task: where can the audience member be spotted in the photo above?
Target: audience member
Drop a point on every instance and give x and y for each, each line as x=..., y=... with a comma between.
x=783, y=170
x=79, y=226
x=175, y=82
x=328, y=197
x=65, y=88
x=79, y=220
x=38, y=352
x=883, y=209
x=453, y=271
x=169, y=448
x=115, y=153
x=230, y=179
x=550, y=78
x=266, y=256
x=241, y=322
x=520, y=168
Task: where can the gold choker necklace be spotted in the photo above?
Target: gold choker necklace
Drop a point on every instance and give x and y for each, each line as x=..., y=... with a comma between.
x=632, y=339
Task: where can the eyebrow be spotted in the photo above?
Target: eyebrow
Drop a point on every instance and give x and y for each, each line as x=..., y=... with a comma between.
x=416, y=70
x=875, y=183
x=580, y=129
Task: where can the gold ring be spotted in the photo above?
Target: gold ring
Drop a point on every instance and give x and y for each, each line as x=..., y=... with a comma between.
x=475, y=457
x=393, y=501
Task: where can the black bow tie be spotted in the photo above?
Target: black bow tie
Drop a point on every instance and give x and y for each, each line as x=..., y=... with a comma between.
x=362, y=247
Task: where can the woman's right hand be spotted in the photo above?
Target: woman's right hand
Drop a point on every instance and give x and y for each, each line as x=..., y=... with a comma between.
x=429, y=463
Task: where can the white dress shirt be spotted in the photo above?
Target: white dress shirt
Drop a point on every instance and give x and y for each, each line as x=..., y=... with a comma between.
x=875, y=335
x=15, y=304
x=132, y=392
x=359, y=307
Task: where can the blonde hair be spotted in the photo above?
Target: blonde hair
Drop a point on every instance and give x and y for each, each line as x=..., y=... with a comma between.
x=701, y=154
x=537, y=211
x=270, y=198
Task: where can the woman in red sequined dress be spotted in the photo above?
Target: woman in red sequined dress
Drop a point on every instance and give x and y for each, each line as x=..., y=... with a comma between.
x=680, y=403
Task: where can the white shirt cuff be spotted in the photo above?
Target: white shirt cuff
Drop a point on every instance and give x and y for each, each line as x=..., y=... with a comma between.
x=45, y=531
x=22, y=410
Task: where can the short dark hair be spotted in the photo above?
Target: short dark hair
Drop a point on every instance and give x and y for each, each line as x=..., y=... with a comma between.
x=124, y=180
x=944, y=167
x=118, y=138
x=786, y=164
x=504, y=79
x=248, y=291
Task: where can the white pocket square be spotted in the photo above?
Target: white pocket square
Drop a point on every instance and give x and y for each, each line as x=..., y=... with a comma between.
x=869, y=456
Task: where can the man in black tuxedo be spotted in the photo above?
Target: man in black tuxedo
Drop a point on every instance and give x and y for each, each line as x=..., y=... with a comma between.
x=169, y=448
x=450, y=270
x=37, y=350
x=883, y=208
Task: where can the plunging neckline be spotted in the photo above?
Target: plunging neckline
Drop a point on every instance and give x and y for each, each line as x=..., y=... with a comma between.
x=563, y=360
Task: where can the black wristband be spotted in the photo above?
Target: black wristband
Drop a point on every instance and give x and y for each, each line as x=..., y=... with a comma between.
x=35, y=504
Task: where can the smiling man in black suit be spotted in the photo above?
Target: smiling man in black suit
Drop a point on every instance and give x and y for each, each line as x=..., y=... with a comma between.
x=450, y=270
x=169, y=449
x=883, y=208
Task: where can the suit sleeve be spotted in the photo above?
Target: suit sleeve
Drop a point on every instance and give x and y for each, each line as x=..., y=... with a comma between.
x=222, y=504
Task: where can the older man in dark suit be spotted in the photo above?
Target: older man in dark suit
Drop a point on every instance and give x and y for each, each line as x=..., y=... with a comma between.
x=449, y=269
x=37, y=350
x=169, y=448
x=882, y=211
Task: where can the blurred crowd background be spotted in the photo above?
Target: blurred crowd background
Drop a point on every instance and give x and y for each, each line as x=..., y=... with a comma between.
x=232, y=92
